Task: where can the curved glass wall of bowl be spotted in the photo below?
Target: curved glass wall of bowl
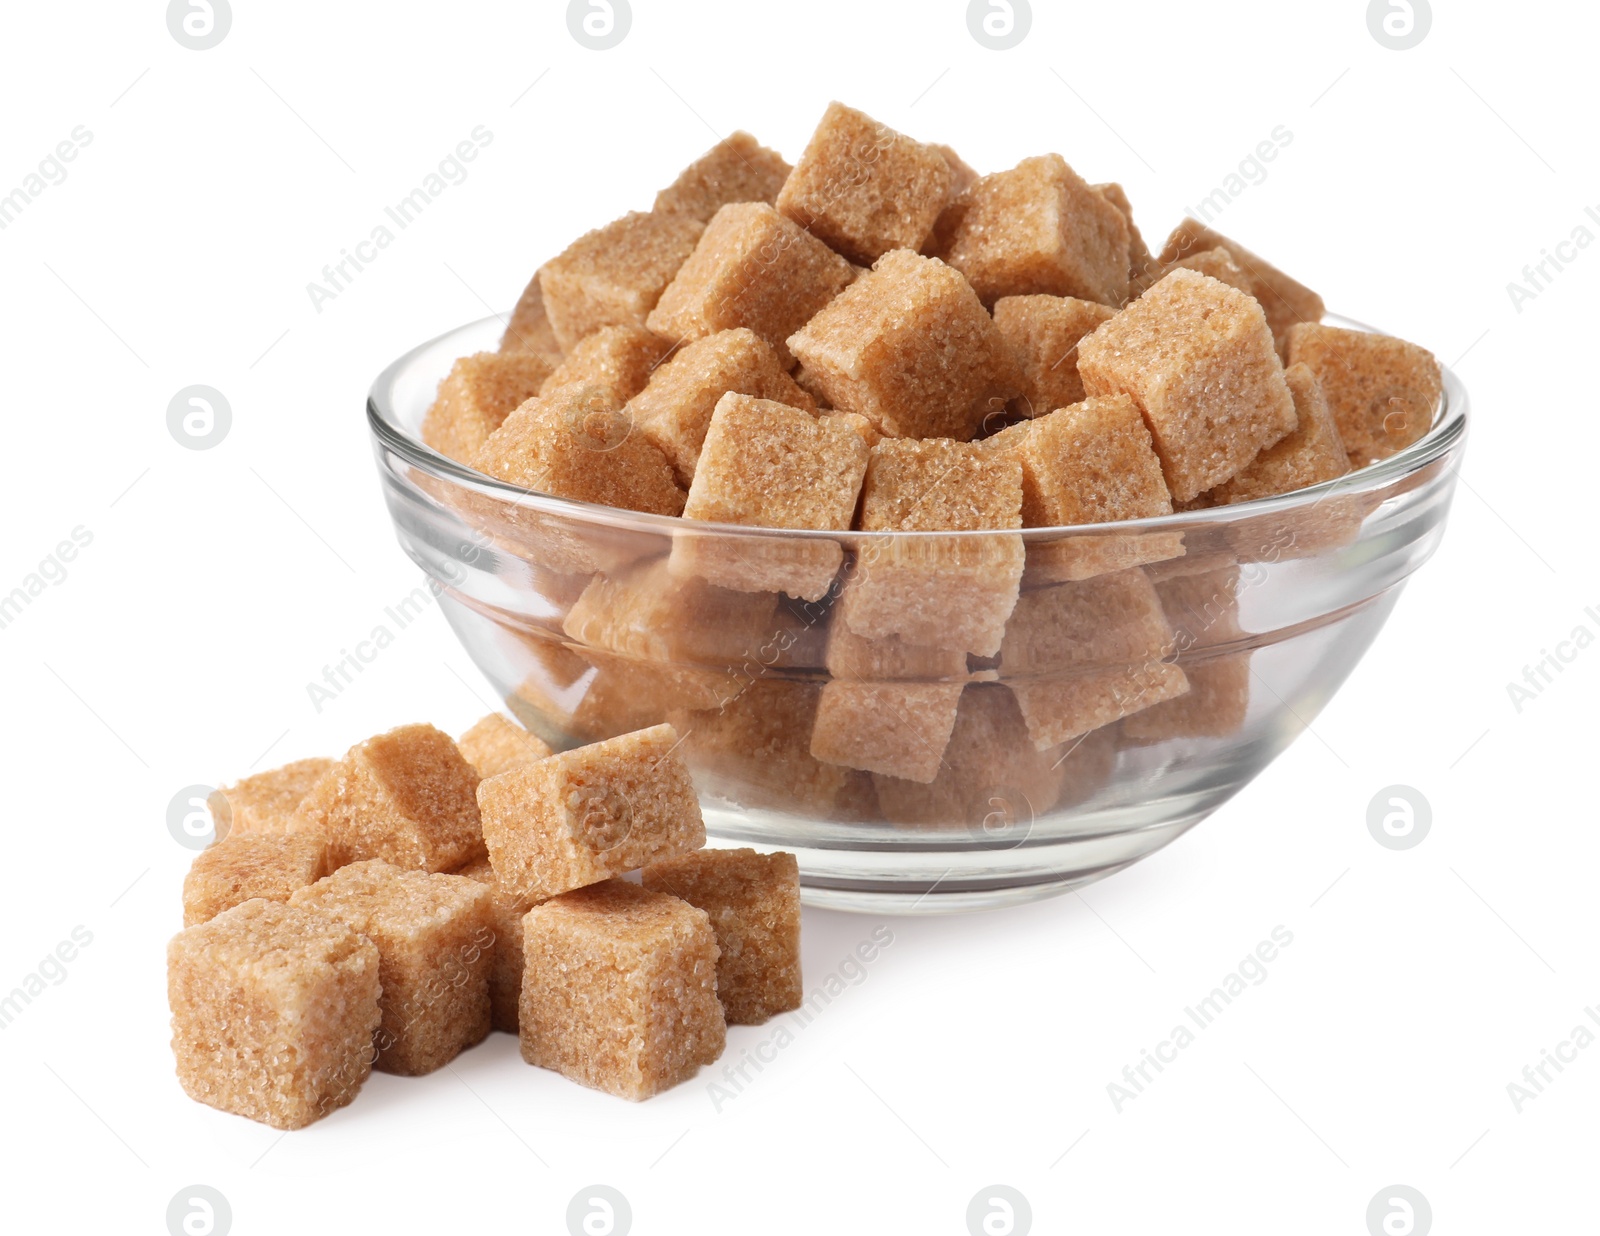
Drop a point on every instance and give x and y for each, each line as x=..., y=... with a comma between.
x=1148, y=671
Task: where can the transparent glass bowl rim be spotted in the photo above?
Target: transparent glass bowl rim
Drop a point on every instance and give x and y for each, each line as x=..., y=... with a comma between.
x=1448, y=431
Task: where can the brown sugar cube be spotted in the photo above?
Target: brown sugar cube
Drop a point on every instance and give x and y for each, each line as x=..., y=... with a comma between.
x=1142, y=266
x=1043, y=332
x=1038, y=228
x=617, y=359
x=1081, y=655
x=406, y=796
x=577, y=443
x=992, y=781
x=477, y=396
x=753, y=901
x=1284, y=300
x=1065, y=706
x=864, y=189
x=620, y=990
x=899, y=729
x=674, y=410
x=1219, y=264
x=936, y=484
x=855, y=658
x=596, y=811
x=1383, y=391
x=909, y=347
x=1113, y=618
x=273, y=1012
x=1311, y=454
x=529, y=329
x=755, y=749
x=495, y=744
x=1047, y=475
x=736, y=169
x=897, y=700
x=1090, y=463
x=650, y=614
x=266, y=802
x=952, y=592
x=435, y=935
x=243, y=866
x=614, y=275
x=752, y=267
x=506, y=966
x=1203, y=610
x=771, y=466
x=1197, y=358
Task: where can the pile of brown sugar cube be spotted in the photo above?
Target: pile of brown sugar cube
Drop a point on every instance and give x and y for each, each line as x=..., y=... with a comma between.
x=798, y=347
x=389, y=909
x=880, y=339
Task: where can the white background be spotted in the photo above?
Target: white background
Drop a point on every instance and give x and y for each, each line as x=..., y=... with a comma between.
x=977, y=1050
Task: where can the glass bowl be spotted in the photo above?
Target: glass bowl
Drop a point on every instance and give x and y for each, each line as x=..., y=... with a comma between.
x=1148, y=670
